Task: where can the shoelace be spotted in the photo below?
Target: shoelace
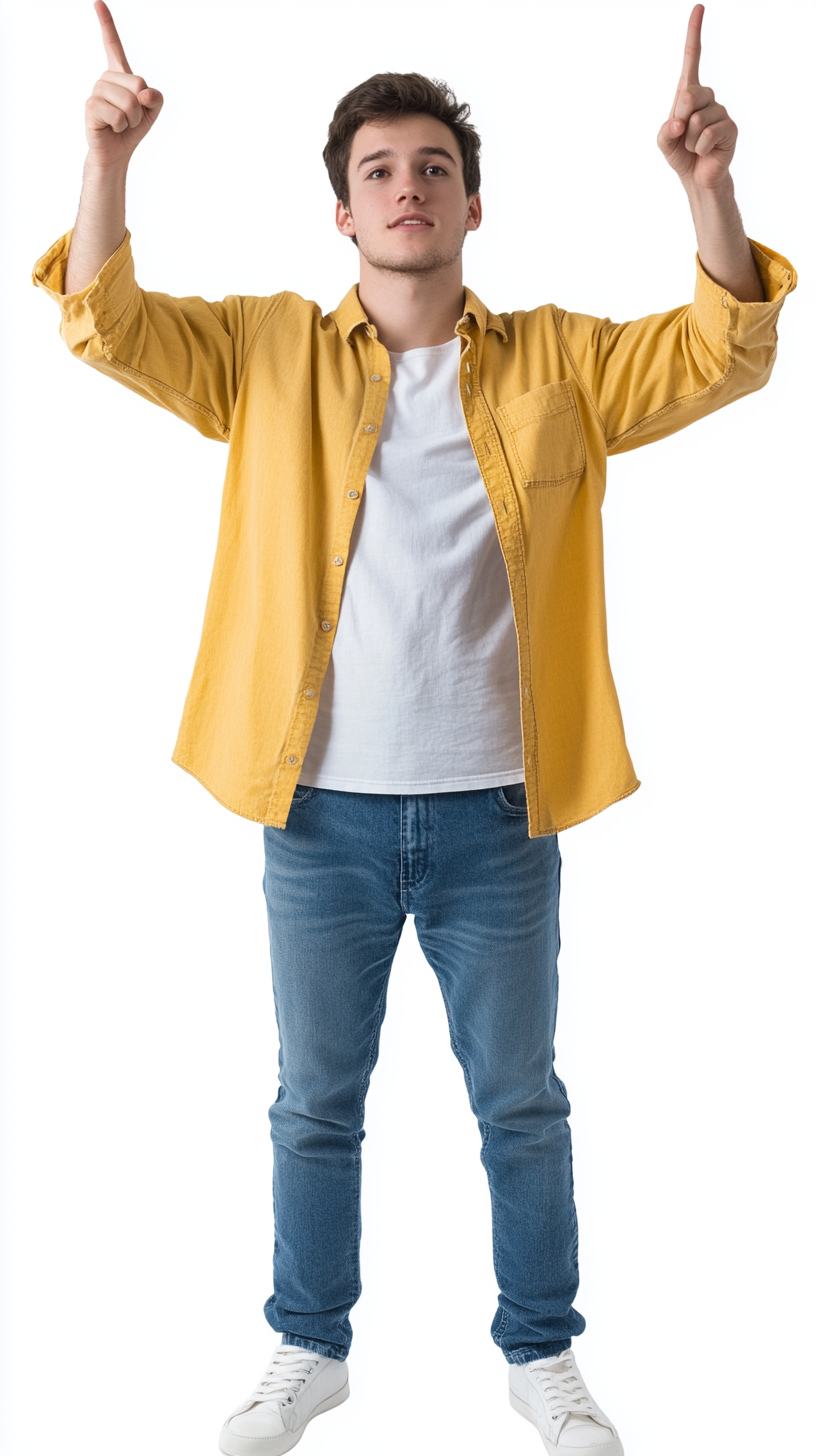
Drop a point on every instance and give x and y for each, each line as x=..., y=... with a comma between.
x=284, y=1375
x=563, y=1389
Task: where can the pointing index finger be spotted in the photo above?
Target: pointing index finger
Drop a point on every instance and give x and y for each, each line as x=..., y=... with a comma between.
x=114, y=50
x=690, y=75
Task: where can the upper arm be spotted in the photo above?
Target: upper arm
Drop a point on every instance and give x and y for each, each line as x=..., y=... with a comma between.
x=184, y=354
x=654, y=375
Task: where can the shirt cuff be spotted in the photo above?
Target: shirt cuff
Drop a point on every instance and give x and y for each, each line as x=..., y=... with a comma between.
x=727, y=322
x=106, y=297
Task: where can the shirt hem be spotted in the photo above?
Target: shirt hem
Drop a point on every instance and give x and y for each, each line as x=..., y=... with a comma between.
x=583, y=818
x=281, y=824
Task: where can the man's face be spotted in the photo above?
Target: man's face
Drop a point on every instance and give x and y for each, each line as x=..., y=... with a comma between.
x=407, y=203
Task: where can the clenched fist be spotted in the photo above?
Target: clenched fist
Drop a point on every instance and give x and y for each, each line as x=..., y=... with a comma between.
x=699, y=138
x=123, y=107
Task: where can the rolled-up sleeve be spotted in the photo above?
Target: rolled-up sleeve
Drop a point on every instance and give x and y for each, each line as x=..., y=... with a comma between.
x=652, y=376
x=184, y=354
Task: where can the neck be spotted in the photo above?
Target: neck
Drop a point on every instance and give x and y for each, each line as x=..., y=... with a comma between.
x=412, y=310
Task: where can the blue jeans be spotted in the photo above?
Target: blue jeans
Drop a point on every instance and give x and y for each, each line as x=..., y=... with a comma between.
x=339, y=882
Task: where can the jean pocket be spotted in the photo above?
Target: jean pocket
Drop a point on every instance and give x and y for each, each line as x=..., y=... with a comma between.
x=512, y=799
x=302, y=792
x=543, y=434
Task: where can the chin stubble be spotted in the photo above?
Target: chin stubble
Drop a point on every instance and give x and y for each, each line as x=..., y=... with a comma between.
x=433, y=262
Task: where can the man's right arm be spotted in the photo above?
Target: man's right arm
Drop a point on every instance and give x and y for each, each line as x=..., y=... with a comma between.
x=184, y=354
x=118, y=114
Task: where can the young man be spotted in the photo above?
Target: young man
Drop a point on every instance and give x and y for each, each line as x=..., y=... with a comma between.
x=403, y=672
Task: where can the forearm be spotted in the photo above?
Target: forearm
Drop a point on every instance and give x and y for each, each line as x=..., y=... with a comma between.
x=724, y=249
x=100, y=226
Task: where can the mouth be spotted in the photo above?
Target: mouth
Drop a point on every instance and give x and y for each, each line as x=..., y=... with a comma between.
x=412, y=221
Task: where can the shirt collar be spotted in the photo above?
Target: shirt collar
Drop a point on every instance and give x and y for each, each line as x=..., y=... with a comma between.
x=481, y=315
x=350, y=313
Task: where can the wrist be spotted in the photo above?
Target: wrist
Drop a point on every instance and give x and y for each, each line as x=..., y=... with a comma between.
x=98, y=169
x=721, y=194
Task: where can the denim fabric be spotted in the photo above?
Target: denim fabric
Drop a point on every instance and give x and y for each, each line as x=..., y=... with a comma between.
x=339, y=883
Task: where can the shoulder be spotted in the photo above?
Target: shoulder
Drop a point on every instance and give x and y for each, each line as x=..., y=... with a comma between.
x=523, y=325
x=284, y=321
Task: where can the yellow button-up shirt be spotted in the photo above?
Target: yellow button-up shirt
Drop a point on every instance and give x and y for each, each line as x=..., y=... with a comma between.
x=300, y=396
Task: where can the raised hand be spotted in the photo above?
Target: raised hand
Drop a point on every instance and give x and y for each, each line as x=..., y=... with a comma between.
x=122, y=108
x=699, y=138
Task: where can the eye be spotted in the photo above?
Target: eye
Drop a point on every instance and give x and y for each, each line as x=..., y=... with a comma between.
x=378, y=171
x=435, y=168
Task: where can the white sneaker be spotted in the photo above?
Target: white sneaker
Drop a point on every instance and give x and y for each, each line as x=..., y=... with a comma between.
x=552, y=1395
x=295, y=1386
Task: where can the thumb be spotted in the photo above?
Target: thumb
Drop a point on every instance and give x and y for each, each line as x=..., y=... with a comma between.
x=670, y=135
x=151, y=102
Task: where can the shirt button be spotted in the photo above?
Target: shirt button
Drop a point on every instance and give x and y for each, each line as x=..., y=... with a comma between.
x=327, y=626
x=338, y=560
x=375, y=378
x=292, y=758
x=369, y=429
x=353, y=494
x=310, y=692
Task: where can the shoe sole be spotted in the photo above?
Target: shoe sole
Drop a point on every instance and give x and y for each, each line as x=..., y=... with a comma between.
x=611, y=1448
x=230, y=1445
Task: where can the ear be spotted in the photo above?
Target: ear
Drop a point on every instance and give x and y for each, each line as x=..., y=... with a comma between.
x=344, y=220
x=474, y=213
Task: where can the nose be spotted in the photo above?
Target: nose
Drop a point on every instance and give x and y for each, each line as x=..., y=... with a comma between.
x=409, y=188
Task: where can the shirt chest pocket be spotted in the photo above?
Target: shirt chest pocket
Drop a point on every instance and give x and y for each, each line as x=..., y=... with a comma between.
x=543, y=434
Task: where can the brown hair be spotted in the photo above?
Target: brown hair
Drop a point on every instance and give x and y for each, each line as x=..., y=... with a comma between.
x=383, y=98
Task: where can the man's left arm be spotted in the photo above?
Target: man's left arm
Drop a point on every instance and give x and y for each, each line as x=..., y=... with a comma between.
x=654, y=375
x=698, y=142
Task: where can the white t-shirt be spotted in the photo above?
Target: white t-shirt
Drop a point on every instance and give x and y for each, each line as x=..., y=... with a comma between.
x=421, y=693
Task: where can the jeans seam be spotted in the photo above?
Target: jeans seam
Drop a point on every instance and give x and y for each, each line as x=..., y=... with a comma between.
x=370, y=1058
x=358, y=1159
x=482, y=1124
x=405, y=885
x=402, y=885
x=358, y=1192
x=430, y=835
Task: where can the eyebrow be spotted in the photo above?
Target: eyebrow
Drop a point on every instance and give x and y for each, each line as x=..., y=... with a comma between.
x=420, y=152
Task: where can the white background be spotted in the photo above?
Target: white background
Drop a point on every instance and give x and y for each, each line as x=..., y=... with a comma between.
x=140, y=1052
